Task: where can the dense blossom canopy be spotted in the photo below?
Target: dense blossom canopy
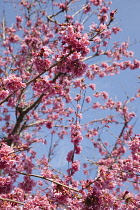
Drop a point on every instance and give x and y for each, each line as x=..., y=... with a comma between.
x=48, y=102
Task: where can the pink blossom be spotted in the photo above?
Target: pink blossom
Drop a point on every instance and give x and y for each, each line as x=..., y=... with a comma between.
x=96, y=105
x=97, y=94
x=115, y=30
x=76, y=166
x=93, y=26
x=92, y=86
x=62, y=6
x=70, y=156
x=5, y=185
x=96, y=2
x=104, y=65
x=97, y=39
x=78, y=149
x=13, y=38
x=3, y=94
x=104, y=9
x=18, y=18
x=49, y=59
x=79, y=115
x=28, y=184
x=110, y=103
x=46, y=172
x=28, y=165
x=78, y=106
x=13, y=82
x=104, y=95
x=78, y=97
x=103, y=18
x=87, y=8
x=7, y=160
x=49, y=124
x=88, y=99
x=136, y=64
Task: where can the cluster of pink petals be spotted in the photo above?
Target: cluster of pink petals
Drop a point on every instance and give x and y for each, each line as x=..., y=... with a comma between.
x=72, y=38
x=97, y=2
x=8, y=159
x=73, y=65
x=6, y=185
x=27, y=185
x=3, y=94
x=47, y=64
x=13, y=82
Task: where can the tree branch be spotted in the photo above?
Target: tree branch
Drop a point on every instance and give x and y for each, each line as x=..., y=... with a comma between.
x=11, y=200
x=50, y=180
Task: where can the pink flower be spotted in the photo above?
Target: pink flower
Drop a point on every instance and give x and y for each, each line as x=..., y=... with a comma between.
x=93, y=26
x=7, y=160
x=70, y=156
x=136, y=64
x=75, y=166
x=97, y=94
x=3, y=94
x=62, y=6
x=92, y=86
x=49, y=124
x=73, y=37
x=103, y=18
x=78, y=149
x=28, y=165
x=88, y=99
x=78, y=106
x=5, y=185
x=87, y=8
x=104, y=9
x=104, y=95
x=115, y=30
x=77, y=98
x=13, y=82
x=110, y=103
x=96, y=2
x=97, y=39
x=96, y=105
x=28, y=184
x=46, y=172
x=18, y=18
x=112, y=14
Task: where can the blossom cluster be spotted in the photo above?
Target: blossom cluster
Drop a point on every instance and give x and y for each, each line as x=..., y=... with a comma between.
x=13, y=83
x=73, y=39
x=65, y=142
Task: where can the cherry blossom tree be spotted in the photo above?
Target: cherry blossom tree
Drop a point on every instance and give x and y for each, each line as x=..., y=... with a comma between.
x=50, y=102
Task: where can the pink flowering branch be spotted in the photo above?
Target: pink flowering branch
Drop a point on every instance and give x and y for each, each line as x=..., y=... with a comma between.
x=23, y=112
x=48, y=94
x=52, y=66
x=99, y=31
x=54, y=79
x=64, y=7
x=9, y=96
x=50, y=180
x=11, y=200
